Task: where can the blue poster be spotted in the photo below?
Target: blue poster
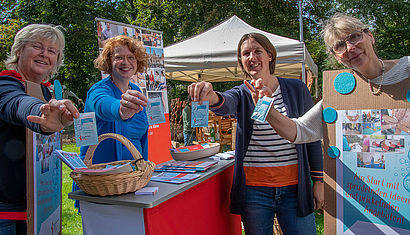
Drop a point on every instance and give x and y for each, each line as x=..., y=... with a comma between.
x=47, y=183
x=373, y=171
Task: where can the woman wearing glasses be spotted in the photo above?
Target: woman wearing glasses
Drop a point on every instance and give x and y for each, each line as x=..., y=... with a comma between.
x=118, y=103
x=36, y=56
x=352, y=44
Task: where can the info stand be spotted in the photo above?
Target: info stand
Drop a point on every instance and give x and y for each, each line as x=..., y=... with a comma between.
x=200, y=206
x=367, y=188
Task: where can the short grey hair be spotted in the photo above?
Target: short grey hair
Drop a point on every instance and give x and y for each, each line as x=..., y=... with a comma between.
x=37, y=33
x=338, y=25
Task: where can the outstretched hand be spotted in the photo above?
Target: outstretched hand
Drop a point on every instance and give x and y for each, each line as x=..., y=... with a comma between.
x=132, y=102
x=258, y=90
x=56, y=115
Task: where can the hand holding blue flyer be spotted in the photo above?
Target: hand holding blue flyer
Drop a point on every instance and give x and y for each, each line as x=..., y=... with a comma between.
x=262, y=108
x=155, y=111
x=86, y=129
x=199, y=114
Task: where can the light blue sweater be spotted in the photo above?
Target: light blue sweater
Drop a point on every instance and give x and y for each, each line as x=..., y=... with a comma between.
x=104, y=99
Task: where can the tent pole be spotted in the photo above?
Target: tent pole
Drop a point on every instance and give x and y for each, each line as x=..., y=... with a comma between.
x=301, y=40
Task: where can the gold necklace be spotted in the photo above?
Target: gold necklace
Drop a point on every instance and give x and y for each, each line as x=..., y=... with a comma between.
x=129, y=87
x=379, y=89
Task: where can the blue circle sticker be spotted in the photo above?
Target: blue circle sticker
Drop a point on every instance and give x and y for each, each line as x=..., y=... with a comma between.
x=329, y=115
x=333, y=152
x=344, y=83
x=408, y=96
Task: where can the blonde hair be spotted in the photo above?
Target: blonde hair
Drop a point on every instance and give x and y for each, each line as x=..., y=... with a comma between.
x=103, y=61
x=265, y=43
x=37, y=33
x=338, y=25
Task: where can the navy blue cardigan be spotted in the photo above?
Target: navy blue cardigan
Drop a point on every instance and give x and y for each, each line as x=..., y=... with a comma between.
x=297, y=100
x=15, y=106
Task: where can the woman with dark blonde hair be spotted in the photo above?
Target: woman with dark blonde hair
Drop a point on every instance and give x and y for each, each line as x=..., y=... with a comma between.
x=271, y=177
x=352, y=44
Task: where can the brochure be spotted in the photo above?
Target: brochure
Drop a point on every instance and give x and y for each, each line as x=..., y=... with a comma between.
x=85, y=129
x=175, y=178
x=72, y=160
x=191, y=148
x=155, y=111
x=185, y=166
x=147, y=191
x=109, y=169
x=226, y=155
x=199, y=114
x=262, y=108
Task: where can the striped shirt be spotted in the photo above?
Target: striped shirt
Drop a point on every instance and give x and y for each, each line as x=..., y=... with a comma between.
x=270, y=160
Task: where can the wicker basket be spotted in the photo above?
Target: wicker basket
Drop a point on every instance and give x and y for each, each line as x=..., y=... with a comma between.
x=114, y=184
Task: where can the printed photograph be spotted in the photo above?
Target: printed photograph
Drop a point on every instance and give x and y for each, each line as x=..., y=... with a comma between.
x=395, y=121
x=352, y=128
x=371, y=128
x=352, y=116
x=371, y=160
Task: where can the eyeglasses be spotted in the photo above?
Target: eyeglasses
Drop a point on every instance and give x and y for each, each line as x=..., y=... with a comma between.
x=130, y=58
x=353, y=38
x=40, y=47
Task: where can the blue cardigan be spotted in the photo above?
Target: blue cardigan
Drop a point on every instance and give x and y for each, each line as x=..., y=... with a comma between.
x=297, y=100
x=103, y=98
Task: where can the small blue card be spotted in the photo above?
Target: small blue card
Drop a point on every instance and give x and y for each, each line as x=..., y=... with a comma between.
x=262, y=109
x=86, y=129
x=155, y=111
x=199, y=114
x=58, y=90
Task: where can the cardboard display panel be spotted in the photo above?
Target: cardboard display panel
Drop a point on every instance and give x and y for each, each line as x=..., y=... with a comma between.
x=370, y=198
x=43, y=177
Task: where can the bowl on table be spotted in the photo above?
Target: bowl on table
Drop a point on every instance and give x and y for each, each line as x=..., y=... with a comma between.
x=196, y=154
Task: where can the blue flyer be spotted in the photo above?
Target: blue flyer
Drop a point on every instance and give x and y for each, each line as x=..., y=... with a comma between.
x=155, y=111
x=199, y=114
x=262, y=108
x=86, y=129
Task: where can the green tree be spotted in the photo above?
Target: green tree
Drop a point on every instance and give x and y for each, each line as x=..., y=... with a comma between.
x=7, y=32
x=77, y=17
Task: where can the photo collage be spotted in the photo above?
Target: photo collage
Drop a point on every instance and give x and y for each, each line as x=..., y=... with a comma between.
x=152, y=82
x=372, y=134
x=44, y=148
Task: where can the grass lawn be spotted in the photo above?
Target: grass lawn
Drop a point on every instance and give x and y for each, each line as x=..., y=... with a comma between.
x=72, y=220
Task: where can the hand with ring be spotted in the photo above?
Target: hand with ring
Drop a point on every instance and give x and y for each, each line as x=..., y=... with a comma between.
x=132, y=102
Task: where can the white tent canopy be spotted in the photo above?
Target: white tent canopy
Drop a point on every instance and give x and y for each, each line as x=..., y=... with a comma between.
x=211, y=55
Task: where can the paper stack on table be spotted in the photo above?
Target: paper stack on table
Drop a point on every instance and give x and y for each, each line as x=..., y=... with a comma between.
x=185, y=166
x=175, y=178
x=147, y=191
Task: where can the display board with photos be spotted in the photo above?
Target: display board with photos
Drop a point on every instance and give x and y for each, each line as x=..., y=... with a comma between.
x=43, y=172
x=367, y=185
